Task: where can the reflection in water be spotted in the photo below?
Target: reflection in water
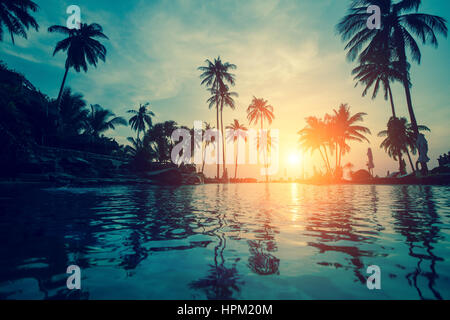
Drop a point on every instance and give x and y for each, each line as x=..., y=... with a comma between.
x=338, y=223
x=221, y=283
x=225, y=241
x=418, y=222
x=261, y=260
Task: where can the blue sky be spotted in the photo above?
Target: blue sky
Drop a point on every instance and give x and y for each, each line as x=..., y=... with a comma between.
x=286, y=51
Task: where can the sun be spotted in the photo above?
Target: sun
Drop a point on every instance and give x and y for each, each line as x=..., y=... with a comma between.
x=294, y=158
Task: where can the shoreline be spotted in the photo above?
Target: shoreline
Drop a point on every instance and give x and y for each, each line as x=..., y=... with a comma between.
x=441, y=180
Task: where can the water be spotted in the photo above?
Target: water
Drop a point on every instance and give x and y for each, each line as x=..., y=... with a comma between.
x=249, y=241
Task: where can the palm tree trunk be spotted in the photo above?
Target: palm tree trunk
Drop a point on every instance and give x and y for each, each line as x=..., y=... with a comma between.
x=218, y=141
x=223, y=138
x=264, y=149
x=410, y=161
x=400, y=160
x=405, y=80
x=62, y=87
x=328, y=160
x=392, y=102
x=204, y=159
x=410, y=107
x=340, y=154
x=336, y=162
x=237, y=154
x=323, y=158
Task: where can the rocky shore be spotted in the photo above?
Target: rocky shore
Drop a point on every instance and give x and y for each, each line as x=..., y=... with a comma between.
x=62, y=167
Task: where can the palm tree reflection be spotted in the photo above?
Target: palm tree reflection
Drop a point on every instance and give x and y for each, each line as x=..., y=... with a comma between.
x=222, y=282
x=420, y=227
x=261, y=260
x=339, y=224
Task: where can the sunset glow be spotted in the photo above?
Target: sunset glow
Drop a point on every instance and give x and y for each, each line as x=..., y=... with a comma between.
x=294, y=159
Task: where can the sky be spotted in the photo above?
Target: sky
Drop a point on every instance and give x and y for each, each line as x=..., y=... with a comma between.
x=286, y=51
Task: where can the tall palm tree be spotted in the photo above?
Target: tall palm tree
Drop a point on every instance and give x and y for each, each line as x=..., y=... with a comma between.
x=347, y=129
x=141, y=118
x=238, y=131
x=81, y=46
x=225, y=99
x=15, y=16
x=399, y=136
x=99, y=120
x=215, y=75
x=315, y=137
x=381, y=70
x=399, y=27
x=258, y=111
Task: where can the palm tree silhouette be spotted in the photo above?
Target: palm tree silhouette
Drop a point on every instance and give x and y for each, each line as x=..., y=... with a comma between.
x=257, y=111
x=15, y=16
x=379, y=71
x=346, y=129
x=314, y=137
x=400, y=136
x=224, y=98
x=238, y=131
x=398, y=30
x=81, y=46
x=214, y=76
x=159, y=138
x=73, y=113
x=141, y=118
x=99, y=120
x=206, y=144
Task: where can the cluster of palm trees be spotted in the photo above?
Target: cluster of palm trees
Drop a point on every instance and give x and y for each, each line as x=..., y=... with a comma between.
x=217, y=77
x=331, y=136
x=383, y=59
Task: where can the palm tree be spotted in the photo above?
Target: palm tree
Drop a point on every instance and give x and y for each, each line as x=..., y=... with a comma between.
x=141, y=118
x=399, y=136
x=214, y=76
x=258, y=111
x=159, y=137
x=15, y=16
x=81, y=46
x=224, y=98
x=345, y=128
x=141, y=153
x=379, y=71
x=207, y=142
x=238, y=131
x=134, y=148
x=398, y=28
x=99, y=120
x=73, y=113
x=314, y=137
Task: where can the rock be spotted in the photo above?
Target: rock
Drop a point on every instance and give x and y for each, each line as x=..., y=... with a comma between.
x=166, y=176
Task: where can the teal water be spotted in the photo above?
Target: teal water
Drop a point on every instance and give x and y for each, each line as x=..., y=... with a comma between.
x=249, y=241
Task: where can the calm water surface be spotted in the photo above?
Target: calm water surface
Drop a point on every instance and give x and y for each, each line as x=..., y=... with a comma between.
x=255, y=241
